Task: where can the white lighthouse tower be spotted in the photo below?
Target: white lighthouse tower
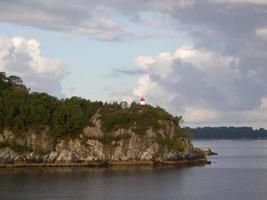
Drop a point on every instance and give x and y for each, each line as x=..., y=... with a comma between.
x=142, y=101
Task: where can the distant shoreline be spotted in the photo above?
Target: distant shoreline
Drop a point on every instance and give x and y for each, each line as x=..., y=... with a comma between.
x=228, y=133
x=244, y=139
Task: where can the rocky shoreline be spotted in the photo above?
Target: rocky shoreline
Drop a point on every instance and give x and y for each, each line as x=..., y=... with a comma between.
x=209, y=152
x=11, y=159
x=95, y=148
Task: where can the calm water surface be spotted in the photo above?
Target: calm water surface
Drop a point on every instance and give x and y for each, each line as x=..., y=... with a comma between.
x=239, y=172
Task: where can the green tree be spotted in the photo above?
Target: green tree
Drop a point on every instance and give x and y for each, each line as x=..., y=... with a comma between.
x=3, y=81
x=15, y=80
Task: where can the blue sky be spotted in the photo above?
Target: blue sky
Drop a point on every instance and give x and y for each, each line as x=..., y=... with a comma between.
x=205, y=60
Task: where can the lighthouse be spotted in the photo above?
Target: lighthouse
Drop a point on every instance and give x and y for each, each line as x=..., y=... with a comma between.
x=142, y=101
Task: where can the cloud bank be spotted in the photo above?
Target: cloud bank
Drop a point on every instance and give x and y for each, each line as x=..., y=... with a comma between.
x=203, y=85
x=22, y=57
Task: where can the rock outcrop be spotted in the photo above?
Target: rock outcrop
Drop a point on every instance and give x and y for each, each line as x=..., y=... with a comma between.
x=209, y=152
x=94, y=145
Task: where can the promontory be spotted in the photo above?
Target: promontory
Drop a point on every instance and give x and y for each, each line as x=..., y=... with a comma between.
x=37, y=129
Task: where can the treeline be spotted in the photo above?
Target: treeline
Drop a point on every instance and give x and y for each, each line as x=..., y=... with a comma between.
x=227, y=133
x=21, y=110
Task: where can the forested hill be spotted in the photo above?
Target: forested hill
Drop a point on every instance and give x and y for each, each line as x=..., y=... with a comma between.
x=21, y=110
x=228, y=133
x=39, y=128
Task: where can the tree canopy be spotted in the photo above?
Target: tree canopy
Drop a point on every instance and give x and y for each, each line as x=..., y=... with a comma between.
x=21, y=110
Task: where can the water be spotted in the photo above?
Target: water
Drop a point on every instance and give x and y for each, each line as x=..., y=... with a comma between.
x=239, y=172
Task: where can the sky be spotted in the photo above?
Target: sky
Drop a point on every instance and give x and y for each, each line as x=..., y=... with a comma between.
x=203, y=59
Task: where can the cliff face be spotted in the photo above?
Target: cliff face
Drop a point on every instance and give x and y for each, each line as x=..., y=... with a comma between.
x=94, y=145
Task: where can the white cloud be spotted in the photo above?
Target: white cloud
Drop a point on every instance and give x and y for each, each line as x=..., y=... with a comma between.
x=210, y=63
x=204, y=60
x=22, y=57
x=199, y=114
x=262, y=33
x=159, y=64
x=263, y=105
x=203, y=86
x=145, y=85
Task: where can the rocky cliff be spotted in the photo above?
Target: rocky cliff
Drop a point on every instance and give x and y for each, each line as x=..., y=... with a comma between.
x=95, y=146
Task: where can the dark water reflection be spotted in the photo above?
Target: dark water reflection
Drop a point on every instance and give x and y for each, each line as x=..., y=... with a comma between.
x=240, y=173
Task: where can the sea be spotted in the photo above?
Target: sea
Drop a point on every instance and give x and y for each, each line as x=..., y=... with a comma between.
x=238, y=172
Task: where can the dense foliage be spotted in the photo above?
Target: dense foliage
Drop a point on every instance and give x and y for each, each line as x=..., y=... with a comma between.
x=228, y=133
x=20, y=110
x=136, y=116
x=172, y=144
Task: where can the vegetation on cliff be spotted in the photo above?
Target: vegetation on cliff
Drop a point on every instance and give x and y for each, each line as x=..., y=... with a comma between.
x=21, y=110
x=142, y=117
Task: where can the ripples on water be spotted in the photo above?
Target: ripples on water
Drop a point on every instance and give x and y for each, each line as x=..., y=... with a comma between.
x=239, y=172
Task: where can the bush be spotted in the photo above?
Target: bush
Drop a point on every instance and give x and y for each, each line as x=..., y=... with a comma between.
x=140, y=129
x=138, y=117
x=106, y=139
x=172, y=144
x=16, y=147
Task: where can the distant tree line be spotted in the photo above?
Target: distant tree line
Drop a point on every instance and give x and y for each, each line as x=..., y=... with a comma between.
x=227, y=133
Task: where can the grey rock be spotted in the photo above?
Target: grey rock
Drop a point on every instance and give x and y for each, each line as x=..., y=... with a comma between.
x=87, y=146
x=7, y=155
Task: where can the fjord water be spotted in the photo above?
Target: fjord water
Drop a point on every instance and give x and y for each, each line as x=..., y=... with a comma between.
x=239, y=172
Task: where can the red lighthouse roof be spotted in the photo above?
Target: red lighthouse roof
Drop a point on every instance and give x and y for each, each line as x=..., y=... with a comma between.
x=142, y=99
